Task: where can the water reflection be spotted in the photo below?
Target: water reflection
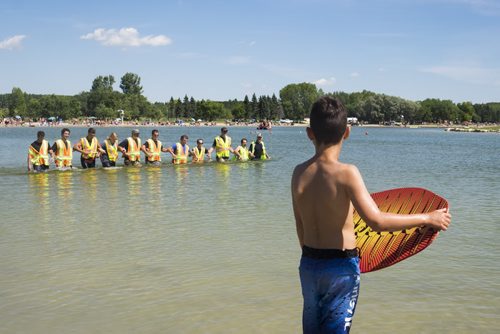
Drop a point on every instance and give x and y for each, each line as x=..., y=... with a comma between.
x=134, y=176
x=39, y=189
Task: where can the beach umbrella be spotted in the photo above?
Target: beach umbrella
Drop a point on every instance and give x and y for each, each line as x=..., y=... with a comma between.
x=52, y=118
x=18, y=117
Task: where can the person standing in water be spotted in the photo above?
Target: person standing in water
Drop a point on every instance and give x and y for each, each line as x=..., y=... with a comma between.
x=153, y=149
x=109, y=153
x=180, y=151
x=89, y=148
x=258, y=149
x=222, y=146
x=62, y=152
x=38, y=154
x=242, y=150
x=199, y=152
x=131, y=149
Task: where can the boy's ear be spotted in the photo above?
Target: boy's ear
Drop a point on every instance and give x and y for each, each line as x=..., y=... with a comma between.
x=347, y=132
x=310, y=134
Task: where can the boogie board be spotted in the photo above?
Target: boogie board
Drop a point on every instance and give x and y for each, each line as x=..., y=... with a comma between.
x=383, y=249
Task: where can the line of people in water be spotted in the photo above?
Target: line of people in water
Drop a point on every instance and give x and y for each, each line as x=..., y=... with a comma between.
x=40, y=152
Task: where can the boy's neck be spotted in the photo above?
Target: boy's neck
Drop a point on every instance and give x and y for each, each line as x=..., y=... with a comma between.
x=329, y=152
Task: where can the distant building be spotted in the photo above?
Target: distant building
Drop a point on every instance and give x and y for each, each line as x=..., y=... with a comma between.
x=352, y=120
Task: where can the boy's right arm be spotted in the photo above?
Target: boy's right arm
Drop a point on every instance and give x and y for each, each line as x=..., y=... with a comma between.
x=298, y=221
x=383, y=221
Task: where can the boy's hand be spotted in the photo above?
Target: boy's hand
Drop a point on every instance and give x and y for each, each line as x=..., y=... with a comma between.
x=439, y=219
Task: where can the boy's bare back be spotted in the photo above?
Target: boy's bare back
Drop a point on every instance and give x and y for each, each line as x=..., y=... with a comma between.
x=322, y=205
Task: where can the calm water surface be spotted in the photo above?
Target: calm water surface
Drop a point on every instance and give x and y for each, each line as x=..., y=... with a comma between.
x=212, y=248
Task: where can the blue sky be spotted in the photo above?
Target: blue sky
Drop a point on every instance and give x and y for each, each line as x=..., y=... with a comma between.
x=219, y=50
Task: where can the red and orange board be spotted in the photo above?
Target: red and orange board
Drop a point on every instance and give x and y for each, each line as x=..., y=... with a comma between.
x=383, y=249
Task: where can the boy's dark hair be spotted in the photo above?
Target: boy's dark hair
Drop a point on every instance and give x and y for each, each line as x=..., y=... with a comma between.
x=244, y=139
x=328, y=120
x=64, y=130
x=40, y=134
x=91, y=130
x=184, y=137
x=155, y=131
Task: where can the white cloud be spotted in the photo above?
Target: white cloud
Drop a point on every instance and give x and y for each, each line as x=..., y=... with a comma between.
x=252, y=43
x=12, y=43
x=354, y=74
x=126, y=37
x=325, y=82
x=469, y=74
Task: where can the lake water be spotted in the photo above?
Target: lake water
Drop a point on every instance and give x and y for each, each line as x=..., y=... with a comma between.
x=213, y=248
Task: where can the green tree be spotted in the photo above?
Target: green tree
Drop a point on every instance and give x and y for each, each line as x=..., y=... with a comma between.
x=297, y=99
x=130, y=83
x=213, y=110
x=248, y=108
x=17, y=103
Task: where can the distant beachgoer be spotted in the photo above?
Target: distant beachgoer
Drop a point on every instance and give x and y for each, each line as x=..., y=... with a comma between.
x=131, y=149
x=242, y=150
x=90, y=149
x=199, y=152
x=258, y=149
x=109, y=155
x=180, y=151
x=38, y=154
x=62, y=150
x=153, y=148
x=222, y=146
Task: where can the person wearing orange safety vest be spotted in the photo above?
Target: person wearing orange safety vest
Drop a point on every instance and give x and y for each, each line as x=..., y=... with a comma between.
x=222, y=146
x=242, y=150
x=198, y=153
x=110, y=151
x=62, y=152
x=131, y=149
x=90, y=149
x=152, y=148
x=180, y=151
x=38, y=154
x=258, y=149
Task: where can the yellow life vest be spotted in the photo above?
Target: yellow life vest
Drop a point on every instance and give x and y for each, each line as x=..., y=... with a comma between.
x=181, y=154
x=264, y=155
x=199, y=155
x=64, y=154
x=92, y=147
x=40, y=157
x=112, y=150
x=134, y=149
x=222, y=147
x=244, y=155
x=154, y=150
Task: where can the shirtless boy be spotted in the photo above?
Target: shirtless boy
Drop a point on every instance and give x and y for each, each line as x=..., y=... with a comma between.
x=324, y=193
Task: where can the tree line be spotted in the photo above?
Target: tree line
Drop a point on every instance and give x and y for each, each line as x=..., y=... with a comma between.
x=102, y=101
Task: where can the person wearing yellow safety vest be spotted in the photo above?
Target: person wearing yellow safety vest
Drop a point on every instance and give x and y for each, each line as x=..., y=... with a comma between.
x=180, y=151
x=90, y=149
x=198, y=153
x=131, y=149
x=244, y=154
x=38, y=154
x=222, y=146
x=110, y=151
x=258, y=149
x=62, y=152
x=152, y=148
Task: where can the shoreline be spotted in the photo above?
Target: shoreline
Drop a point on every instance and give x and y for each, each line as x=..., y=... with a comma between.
x=483, y=128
